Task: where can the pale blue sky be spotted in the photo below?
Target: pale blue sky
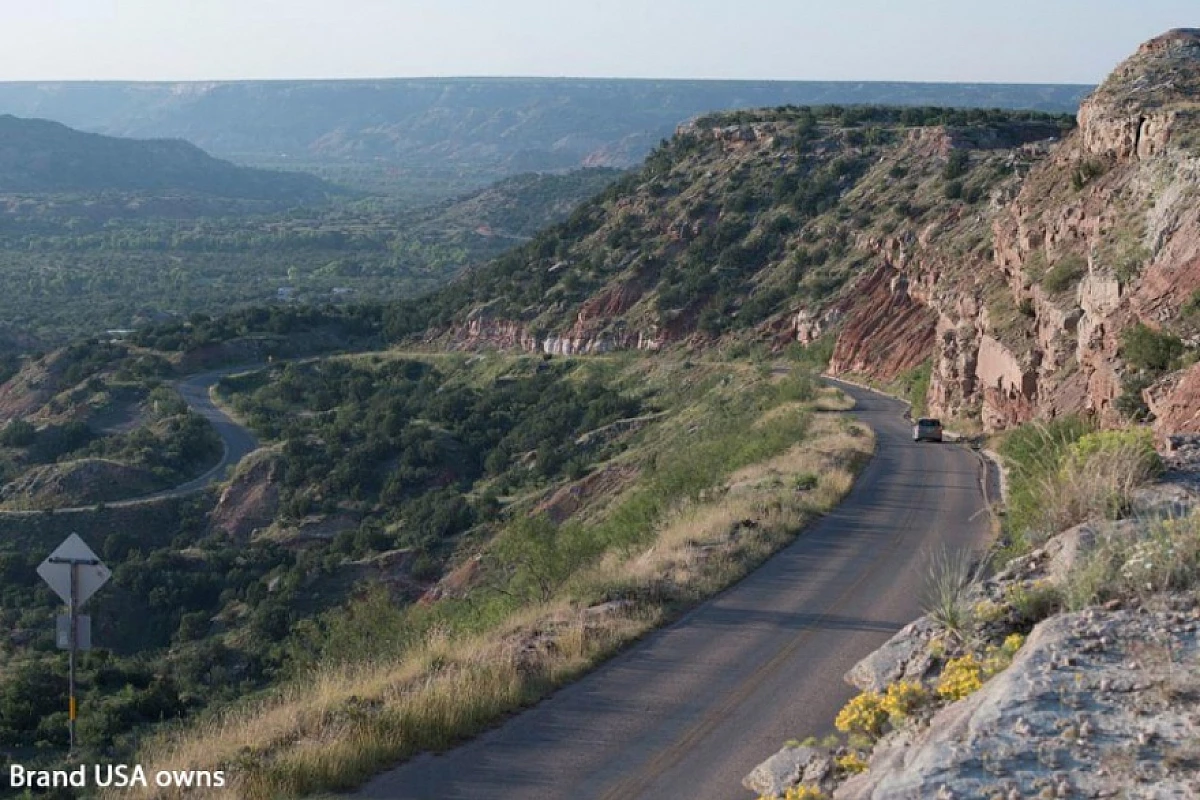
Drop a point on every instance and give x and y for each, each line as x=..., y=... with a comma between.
x=1052, y=41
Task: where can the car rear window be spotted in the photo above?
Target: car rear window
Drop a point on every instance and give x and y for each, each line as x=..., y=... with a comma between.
x=929, y=423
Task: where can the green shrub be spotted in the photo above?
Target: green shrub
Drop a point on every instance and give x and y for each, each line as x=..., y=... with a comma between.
x=957, y=165
x=1034, y=603
x=1155, y=557
x=816, y=354
x=17, y=433
x=913, y=386
x=1033, y=453
x=806, y=481
x=1088, y=170
x=1130, y=403
x=1063, y=474
x=1137, y=443
x=1144, y=348
x=1065, y=274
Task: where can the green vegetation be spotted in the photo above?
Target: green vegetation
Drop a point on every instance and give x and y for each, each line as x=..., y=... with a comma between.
x=1159, y=556
x=72, y=457
x=1065, y=273
x=1088, y=170
x=403, y=444
x=1063, y=472
x=1149, y=354
x=815, y=355
x=913, y=386
x=1144, y=348
x=421, y=465
x=669, y=534
x=84, y=262
x=724, y=243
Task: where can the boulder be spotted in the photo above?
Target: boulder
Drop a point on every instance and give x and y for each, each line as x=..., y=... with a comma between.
x=786, y=769
x=903, y=657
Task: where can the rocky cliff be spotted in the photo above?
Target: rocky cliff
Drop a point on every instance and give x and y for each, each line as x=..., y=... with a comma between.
x=1014, y=253
x=1102, y=235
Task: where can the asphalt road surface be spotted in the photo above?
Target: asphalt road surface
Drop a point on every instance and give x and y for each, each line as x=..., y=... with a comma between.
x=691, y=709
x=238, y=441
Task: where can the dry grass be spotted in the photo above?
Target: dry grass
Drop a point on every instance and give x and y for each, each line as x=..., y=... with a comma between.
x=339, y=725
x=1138, y=561
x=1096, y=485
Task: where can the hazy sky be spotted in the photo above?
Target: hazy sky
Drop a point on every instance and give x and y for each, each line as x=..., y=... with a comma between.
x=1053, y=41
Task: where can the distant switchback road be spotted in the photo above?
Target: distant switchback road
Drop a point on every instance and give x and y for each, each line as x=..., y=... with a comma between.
x=691, y=709
x=236, y=443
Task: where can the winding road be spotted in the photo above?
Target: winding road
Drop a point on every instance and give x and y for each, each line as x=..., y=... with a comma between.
x=236, y=442
x=694, y=707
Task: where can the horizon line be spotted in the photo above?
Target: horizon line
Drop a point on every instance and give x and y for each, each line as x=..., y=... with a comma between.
x=640, y=79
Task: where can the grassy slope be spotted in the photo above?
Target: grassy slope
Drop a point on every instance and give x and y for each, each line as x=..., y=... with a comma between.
x=743, y=220
x=774, y=453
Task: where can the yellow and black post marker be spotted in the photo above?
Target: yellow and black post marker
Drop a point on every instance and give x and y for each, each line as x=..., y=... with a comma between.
x=73, y=634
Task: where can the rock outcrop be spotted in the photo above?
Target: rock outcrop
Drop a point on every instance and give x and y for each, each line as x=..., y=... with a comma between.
x=250, y=501
x=1102, y=233
x=1085, y=710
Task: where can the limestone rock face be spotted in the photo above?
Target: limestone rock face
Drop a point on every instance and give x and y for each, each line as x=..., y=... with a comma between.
x=1058, y=719
x=1102, y=234
x=1134, y=114
x=903, y=657
x=787, y=768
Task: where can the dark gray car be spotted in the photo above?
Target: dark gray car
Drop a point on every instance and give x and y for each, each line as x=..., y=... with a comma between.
x=927, y=430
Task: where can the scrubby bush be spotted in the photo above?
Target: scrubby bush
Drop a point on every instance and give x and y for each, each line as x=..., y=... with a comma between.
x=1032, y=454
x=1139, y=562
x=864, y=715
x=1032, y=604
x=1065, y=274
x=957, y=165
x=851, y=763
x=902, y=698
x=961, y=677
x=17, y=433
x=1098, y=475
x=1144, y=348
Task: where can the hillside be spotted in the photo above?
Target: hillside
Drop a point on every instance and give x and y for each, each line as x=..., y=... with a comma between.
x=1038, y=269
x=37, y=155
x=431, y=539
x=436, y=137
x=747, y=226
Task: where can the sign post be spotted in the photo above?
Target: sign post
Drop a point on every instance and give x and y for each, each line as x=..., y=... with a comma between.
x=74, y=572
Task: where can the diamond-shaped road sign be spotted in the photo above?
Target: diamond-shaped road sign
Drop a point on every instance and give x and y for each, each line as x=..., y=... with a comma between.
x=74, y=554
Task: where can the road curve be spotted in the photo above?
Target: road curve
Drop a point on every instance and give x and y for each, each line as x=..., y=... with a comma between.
x=691, y=709
x=236, y=443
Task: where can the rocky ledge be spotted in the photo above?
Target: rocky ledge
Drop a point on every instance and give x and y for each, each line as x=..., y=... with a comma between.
x=1096, y=704
x=1099, y=702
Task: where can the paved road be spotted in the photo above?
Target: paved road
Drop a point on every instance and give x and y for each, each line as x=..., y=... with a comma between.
x=236, y=442
x=236, y=439
x=694, y=707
